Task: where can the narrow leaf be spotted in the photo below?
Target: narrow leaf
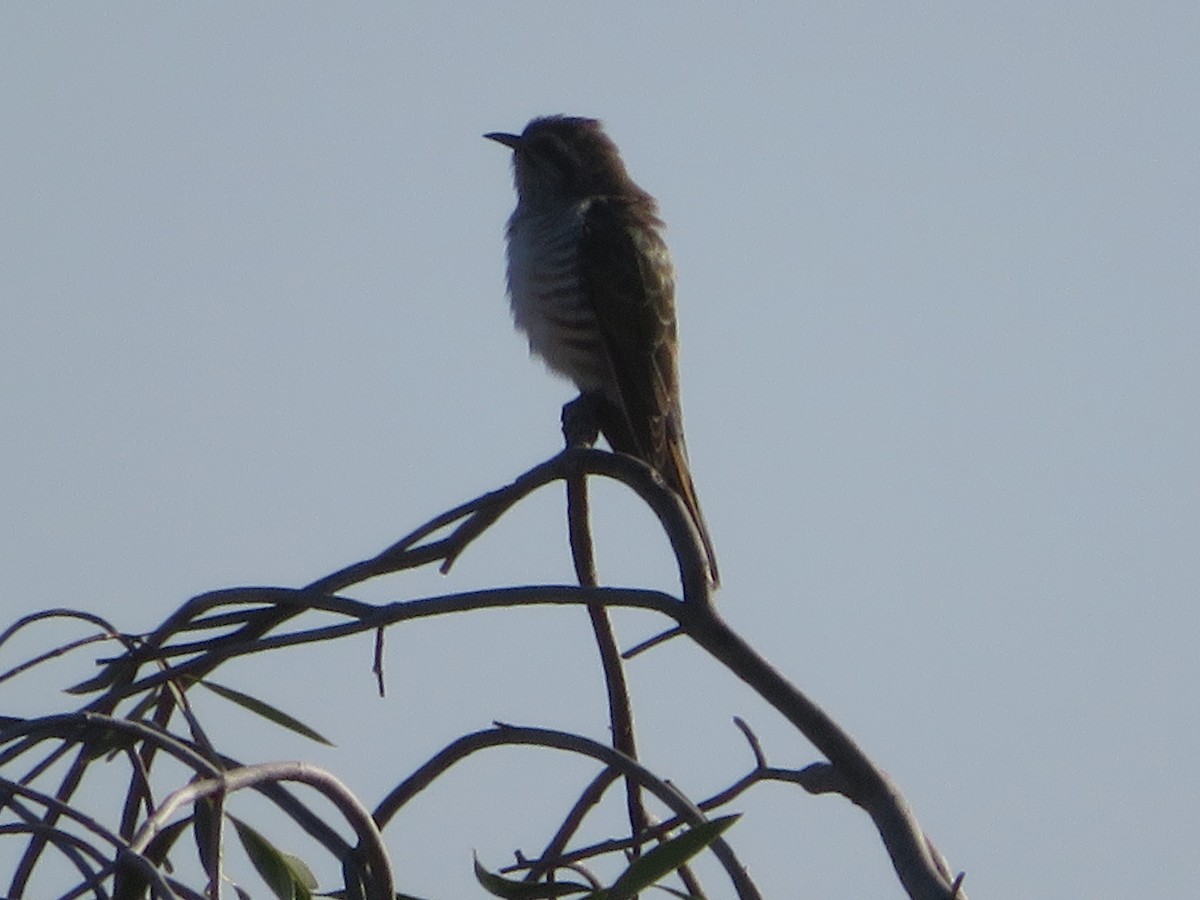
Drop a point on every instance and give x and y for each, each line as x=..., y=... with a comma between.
x=301, y=871
x=266, y=710
x=273, y=866
x=668, y=856
x=499, y=886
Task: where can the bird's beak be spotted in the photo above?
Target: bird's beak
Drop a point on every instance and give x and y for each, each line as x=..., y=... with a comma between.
x=512, y=141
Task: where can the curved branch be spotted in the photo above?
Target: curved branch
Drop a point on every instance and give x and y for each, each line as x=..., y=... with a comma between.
x=921, y=871
x=366, y=617
x=371, y=846
x=474, y=517
x=481, y=513
x=84, y=727
x=47, y=834
x=849, y=772
x=512, y=735
x=587, y=800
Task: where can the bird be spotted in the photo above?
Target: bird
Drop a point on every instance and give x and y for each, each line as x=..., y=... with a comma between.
x=592, y=286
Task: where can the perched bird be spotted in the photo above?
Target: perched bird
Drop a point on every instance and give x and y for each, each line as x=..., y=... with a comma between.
x=593, y=287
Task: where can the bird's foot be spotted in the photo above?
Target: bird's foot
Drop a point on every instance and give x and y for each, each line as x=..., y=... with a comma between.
x=581, y=421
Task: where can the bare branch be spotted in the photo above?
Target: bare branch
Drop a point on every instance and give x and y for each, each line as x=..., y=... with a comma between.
x=511, y=735
x=587, y=801
x=851, y=772
x=221, y=625
x=620, y=712
x=374, y=855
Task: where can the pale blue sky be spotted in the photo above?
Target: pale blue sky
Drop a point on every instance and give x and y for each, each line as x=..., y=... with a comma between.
x=940, y=306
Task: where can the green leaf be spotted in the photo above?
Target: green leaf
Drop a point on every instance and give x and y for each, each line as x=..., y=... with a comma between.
x=668, y=856
x=206, y=813
x=499, y=886
x=286, y=880
x=266, y=710
x=129, y=883
x=160, y=845
x=301, y=870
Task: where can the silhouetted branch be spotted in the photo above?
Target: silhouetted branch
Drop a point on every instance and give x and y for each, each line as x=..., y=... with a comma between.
x=221, y=625
x=587, y=801
x=850, y=772
x=620, y=712
x=512, y=735
x=90, y=732
x=360, y=617
x=373, y=854
x=107, y=633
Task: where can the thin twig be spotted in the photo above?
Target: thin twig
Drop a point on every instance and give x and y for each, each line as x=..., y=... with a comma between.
x=511, y=735
x=364, y=617
x=620, y=710
x=923, y=873
x=857, y=777
x=651, y=643
x=379, y=884
x=587, y=801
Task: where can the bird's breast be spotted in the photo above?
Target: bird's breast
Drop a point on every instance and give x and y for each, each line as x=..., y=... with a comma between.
x=549, y=302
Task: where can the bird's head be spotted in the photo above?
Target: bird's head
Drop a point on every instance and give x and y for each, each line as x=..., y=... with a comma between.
x=564, y=158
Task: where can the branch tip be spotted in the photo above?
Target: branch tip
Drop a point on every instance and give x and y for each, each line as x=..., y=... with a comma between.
x=752, y=739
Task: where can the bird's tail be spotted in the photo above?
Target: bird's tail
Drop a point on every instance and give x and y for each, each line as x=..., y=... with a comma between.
x=667, y=455
x=679, y=475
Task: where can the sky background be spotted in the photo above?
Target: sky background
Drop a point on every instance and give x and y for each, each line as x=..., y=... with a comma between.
x=939, y=300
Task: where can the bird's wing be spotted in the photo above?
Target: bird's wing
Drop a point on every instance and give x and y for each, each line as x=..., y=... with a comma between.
x=630, y=285
x=626, y=274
